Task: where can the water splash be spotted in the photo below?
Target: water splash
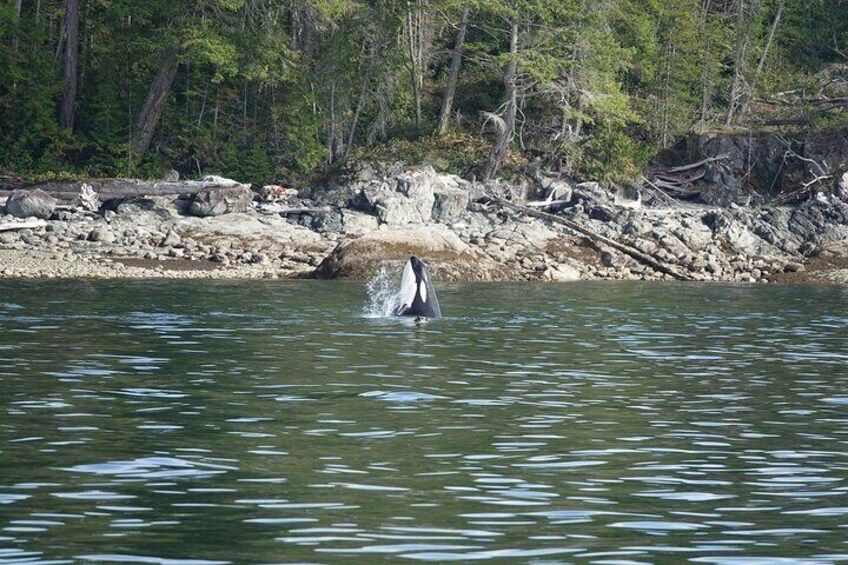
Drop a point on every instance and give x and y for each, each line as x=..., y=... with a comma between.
x=383, y=295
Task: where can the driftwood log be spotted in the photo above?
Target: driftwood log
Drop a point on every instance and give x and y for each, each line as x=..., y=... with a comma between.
x=575, y=227
x=22, y=225
x=127, y=188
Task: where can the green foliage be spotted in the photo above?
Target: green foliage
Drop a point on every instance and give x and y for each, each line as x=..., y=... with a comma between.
x=454, y=153
x=205, y=44
x=269, y=89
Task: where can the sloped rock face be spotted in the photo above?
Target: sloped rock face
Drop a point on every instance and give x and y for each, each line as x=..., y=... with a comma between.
x=821, y=222
x=31, y=204
x=750, y=168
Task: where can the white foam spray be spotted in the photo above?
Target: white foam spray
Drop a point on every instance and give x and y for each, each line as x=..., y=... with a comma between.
x=383, y=295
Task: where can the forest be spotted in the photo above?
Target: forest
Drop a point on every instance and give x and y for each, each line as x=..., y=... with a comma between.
x=269, y=90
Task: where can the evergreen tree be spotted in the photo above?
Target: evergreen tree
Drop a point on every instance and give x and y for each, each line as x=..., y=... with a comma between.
x=264, y=89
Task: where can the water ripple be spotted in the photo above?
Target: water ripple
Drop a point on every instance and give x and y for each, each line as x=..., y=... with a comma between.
x=212, y=422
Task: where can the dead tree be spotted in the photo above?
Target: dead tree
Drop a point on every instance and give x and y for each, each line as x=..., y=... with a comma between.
x=505, y=125
x=645, y=258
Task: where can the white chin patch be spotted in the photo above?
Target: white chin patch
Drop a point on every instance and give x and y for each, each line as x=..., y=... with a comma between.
x=422, y=291
x=407, y=285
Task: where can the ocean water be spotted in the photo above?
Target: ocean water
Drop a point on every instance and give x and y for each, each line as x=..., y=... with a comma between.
x=196, y=422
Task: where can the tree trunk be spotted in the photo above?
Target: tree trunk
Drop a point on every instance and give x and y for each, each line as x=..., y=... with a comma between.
x=763, y=57
x=331, y=127
x=151, y=112
x=413, y=24
x=506, y=130
x=360, y=105
x=453, y=77
x=18, y=8
x=706, y=69
x=738, y=63
x=69, y=93
x=127, y=188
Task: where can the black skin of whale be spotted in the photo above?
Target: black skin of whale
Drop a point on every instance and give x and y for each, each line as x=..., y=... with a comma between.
x=418, y=296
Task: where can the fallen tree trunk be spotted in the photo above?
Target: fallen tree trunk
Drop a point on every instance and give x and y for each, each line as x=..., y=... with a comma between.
x=22, y=225
x=701, y=163
x=640, y=256
x=127, y=188
x=289, y=210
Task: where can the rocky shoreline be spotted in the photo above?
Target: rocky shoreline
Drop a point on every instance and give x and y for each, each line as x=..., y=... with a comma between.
x=546, y=229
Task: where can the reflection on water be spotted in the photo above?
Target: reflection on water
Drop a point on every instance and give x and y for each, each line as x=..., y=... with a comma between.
x=199, y=423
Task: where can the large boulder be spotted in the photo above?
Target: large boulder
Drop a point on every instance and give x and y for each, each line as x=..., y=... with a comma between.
x=218, y=201
x=406, y=199
x=31, y=203
x=412, y=197
x=448, y=257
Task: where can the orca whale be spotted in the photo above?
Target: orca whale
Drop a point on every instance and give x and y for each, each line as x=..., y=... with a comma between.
x=417, y=295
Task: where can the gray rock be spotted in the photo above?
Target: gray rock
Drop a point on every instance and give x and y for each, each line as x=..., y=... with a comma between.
x=397, y=210
x=355, y=222
x=218, y=201
x=601, y=213
x=450, y=204
x=101, y=235
x=8, y=238
x=841, y=190
x=720, y=187
x=329, y=222
x=31, y=203
x=562, y=273
x=412, y=197
x=159, y=206
x=418, y=187
x=555, y=189
x=171, y=239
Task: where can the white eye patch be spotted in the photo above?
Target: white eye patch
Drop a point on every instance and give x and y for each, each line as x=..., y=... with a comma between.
x=422, y=291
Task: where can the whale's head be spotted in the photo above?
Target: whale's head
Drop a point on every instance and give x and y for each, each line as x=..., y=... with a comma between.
x=417, y=294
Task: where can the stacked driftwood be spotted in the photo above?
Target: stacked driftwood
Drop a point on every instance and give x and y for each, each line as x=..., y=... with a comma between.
x=682, y=181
